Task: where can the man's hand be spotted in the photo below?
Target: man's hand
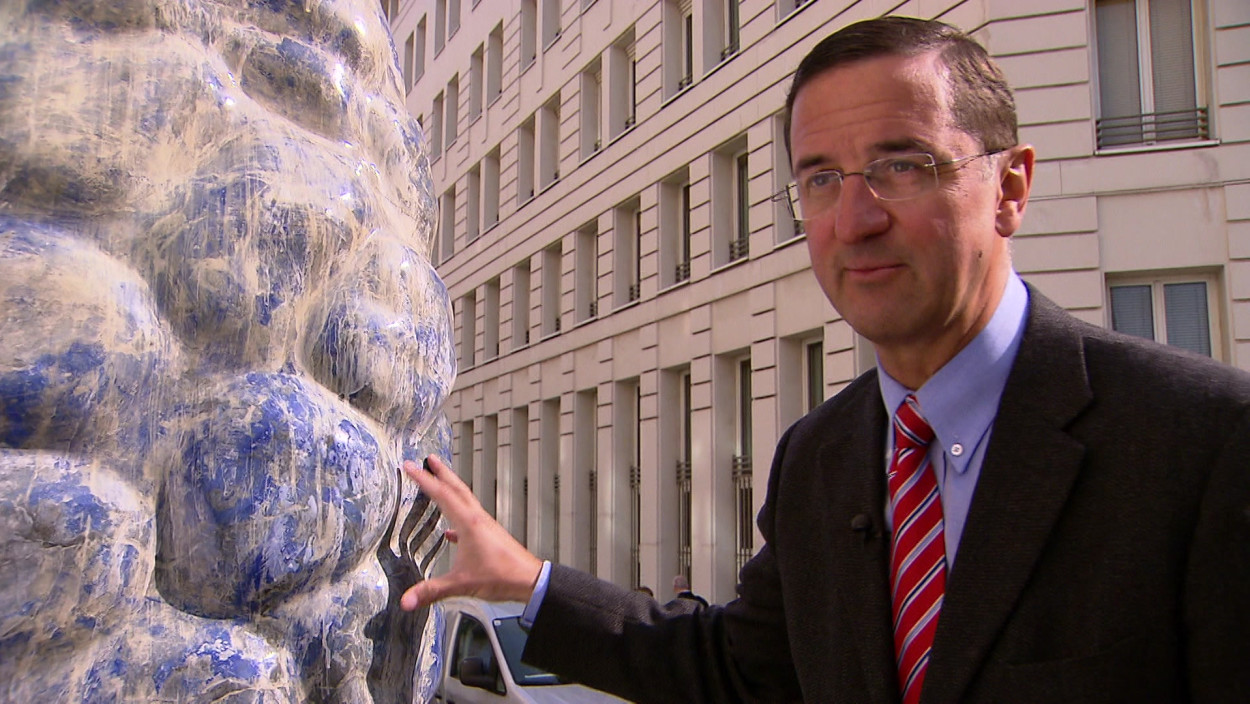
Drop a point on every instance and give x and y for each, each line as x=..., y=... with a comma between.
x=489, y=563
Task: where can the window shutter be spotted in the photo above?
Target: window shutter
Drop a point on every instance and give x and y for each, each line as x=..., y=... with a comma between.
x=1131, y=311
x=1119, y=80
x=1188, y=326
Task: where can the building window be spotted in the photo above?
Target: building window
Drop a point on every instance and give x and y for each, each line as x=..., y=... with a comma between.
x=490, y=192
x=551, y=22
x=683, y=244
x=687, y=49
x=1175, y=310
x=472, y=214
x=490, y=319
x=521, y=305
x=786, y=7
x=468, y=330
x=628, y=412
x=627, y=231
x=1148, y=85
x=787, y=226
x=525, y=162
x=436, y=128
x=675, y=228
x=488, y=492
x=518, y=493
x=494, y=64
x=418, y=53
x=410, y=51
x=721, y=31
x=464, y=467
x=586, y=276
x=744, y=543
x=622, y=84
x=731, y=232
x=551, y=289
x=453, y=17
x=549, y=480
x=813, y=374
x=591, y=88
x=476, y=88
x=447, y=213
x=529, y=32
x=678, y=46
x=685, y=524
x=739, y=246
x=452, y=124
x=440, y=25
x=586, y=499
x=549, y=143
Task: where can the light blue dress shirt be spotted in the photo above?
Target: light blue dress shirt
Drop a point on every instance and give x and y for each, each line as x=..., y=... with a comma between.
x=960, y=402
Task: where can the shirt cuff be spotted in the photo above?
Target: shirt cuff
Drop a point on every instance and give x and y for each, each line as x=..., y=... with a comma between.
x=536, y=598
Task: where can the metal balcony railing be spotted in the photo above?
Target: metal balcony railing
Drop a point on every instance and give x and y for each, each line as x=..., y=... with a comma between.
x=682, y=271
x=744, y=506
x=1149, y=128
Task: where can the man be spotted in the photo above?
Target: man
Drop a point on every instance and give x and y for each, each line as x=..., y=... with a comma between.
x=681, y=590
x=1102, y=556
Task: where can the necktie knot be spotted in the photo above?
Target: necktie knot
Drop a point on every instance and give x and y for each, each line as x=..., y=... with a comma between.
x=911, y=430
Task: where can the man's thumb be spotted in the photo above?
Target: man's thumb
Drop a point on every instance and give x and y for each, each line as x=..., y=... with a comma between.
x=423, y=593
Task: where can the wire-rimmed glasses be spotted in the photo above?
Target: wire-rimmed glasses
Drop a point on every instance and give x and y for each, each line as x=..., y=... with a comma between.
x=901, y=177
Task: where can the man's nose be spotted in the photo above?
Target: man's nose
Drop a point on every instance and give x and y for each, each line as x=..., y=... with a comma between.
x=859, y=213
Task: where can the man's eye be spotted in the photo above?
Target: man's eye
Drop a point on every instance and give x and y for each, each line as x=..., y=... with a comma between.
x=900, y=166
x=822, y=179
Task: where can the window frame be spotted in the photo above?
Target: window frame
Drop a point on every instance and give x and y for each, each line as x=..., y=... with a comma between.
x=1157, y=281
x=1204, y=115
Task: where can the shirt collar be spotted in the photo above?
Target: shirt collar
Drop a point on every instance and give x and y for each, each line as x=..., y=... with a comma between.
x=961, y=399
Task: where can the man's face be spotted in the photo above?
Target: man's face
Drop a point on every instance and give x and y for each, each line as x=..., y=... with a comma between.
x=918, y=276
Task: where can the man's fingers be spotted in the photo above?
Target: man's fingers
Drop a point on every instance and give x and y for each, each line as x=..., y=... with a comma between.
x=450, y=478
x=451, y=535
x=441, y=484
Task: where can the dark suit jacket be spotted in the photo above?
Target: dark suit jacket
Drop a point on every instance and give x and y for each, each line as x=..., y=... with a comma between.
x=1106, y=556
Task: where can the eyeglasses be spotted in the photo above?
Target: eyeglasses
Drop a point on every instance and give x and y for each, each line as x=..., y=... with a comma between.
x=893, y=178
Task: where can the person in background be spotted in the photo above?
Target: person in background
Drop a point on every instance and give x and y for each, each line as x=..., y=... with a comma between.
x=1013, y=506
x=681, y=590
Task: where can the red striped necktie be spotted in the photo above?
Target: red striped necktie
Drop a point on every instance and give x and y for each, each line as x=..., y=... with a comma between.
x=917, y=550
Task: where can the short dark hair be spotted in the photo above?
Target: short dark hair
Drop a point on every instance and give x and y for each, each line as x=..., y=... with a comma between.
x=981, y=101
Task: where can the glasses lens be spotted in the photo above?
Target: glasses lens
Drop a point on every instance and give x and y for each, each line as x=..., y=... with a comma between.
x=817, y=192
x=901, y=177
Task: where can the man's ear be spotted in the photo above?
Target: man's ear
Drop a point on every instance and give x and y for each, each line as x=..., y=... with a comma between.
x=1017, y=179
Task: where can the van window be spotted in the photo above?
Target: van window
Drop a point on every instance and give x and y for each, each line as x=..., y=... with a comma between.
x=472, y=641
x=512, y=641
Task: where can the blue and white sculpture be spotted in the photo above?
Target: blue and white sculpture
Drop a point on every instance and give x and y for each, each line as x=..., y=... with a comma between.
x=220, y=334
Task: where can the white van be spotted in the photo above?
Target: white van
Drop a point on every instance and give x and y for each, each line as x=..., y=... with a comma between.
x=483, y=642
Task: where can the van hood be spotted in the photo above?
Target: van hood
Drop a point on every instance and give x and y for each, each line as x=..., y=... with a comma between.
x=569, y=694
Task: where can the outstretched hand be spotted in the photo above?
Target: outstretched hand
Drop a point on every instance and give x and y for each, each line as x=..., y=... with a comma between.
x=489, y=563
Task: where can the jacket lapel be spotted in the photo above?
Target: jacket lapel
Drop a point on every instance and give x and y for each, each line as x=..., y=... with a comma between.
x=859, y=565
x=1030, y=466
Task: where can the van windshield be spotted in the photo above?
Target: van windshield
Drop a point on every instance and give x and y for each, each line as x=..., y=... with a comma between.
x=512, y=639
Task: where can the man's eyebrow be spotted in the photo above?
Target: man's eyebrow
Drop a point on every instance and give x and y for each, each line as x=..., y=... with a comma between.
x=808, y=162
x=902, y=145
